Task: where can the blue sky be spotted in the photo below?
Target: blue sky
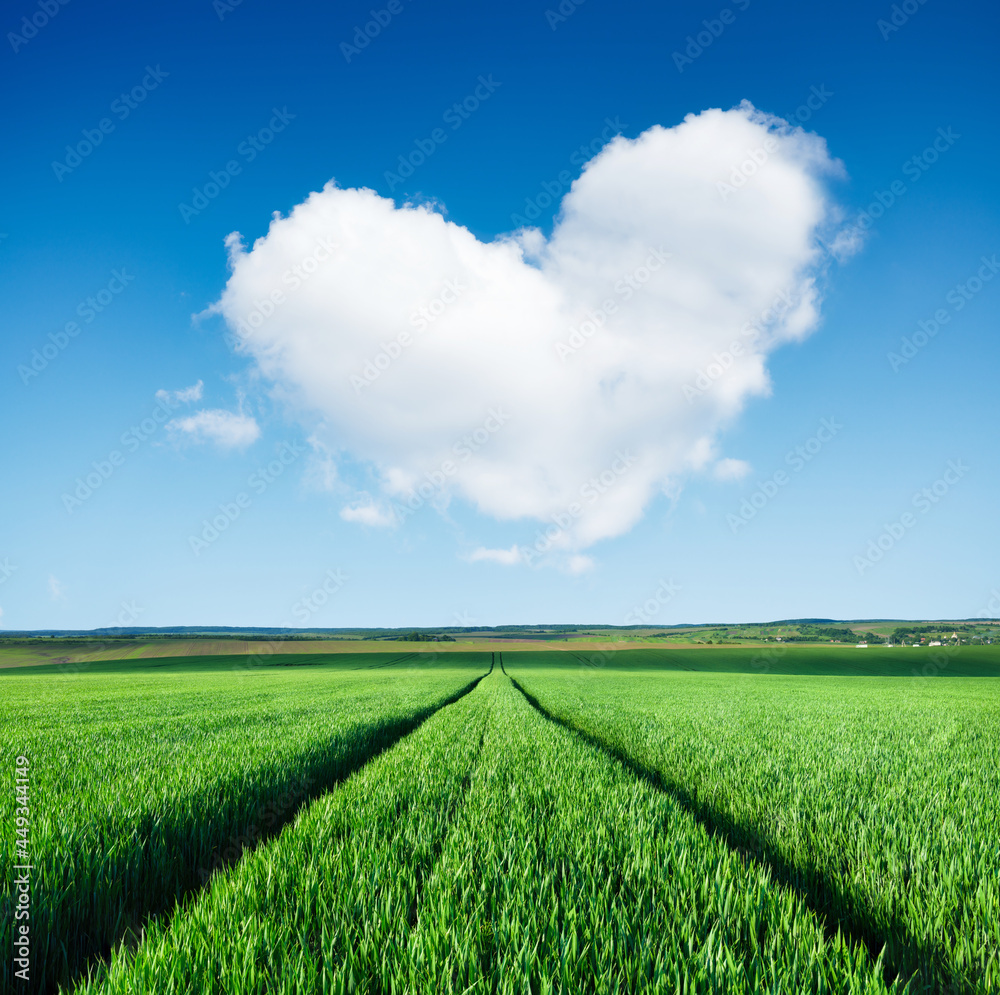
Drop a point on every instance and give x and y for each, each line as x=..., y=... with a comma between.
x=164, y=96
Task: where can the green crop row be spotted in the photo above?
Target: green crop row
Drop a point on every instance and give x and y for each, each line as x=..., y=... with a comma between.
x=330, y=903
x=877, y=798
x=493, y=851
x=566, y=873
x=144, y=785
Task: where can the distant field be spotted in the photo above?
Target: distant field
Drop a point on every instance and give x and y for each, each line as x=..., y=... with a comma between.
x=45, y=651
x=902, y=661
x=778, y=658
x=74, y=651
x=243, y=664
x=737, y=820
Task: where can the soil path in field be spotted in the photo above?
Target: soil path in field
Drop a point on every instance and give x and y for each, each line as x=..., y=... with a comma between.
x=903, y=956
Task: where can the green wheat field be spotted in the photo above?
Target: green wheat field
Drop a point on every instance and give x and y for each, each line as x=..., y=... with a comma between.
x=819, y=820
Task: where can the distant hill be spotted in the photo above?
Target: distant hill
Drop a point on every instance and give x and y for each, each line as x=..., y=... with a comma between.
x=547, y=631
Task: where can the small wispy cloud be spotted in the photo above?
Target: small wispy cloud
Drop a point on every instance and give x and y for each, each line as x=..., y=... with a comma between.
x=186, y=395
x=226, y=429
x=57, y=590
x=731, y=469
x=321, y=469
x=579, y=564
x=508, y=557
x=848, y=242
x=368, y=513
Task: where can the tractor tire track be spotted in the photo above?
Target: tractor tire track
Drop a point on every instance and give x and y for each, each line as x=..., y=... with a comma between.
x=905, y=957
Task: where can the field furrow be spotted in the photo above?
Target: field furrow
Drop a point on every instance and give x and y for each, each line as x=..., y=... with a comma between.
x=564, y=872
x=877, y=802
x=329, y=905
x=494, y=823
x=146, y=786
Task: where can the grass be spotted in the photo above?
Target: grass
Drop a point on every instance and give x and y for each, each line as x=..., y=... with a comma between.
x=82, y=651
x=878, y=800
x=778, y=659
x=147, y=781
x=814, y=820
x=491, y=851
x=327, y=905
x=262, y=658
x=564, y=872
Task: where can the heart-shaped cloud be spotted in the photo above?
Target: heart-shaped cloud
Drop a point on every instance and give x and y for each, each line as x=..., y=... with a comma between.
x=567, y=379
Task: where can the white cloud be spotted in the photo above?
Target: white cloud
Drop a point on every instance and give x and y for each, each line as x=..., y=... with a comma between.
x=226, y=429
x=415, y=329
x=368, y=513
x=508, y=557
x=578, y=564
x=186, y=395
x=731, y=469
x=57, y=592
x=847, y=242
x=321, y=468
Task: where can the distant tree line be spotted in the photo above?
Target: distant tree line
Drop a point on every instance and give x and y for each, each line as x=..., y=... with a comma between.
x=809, y=634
